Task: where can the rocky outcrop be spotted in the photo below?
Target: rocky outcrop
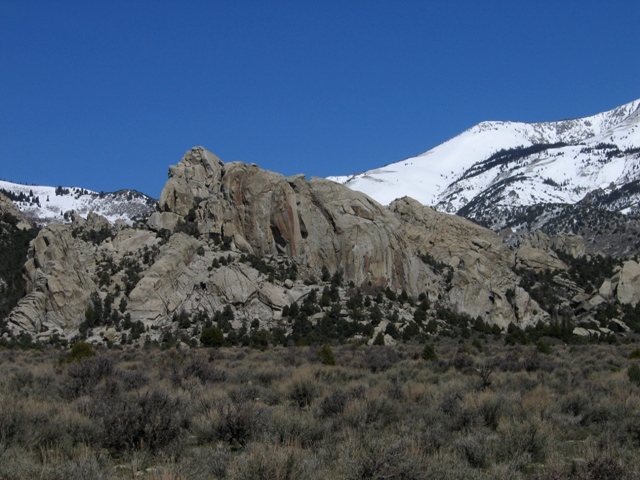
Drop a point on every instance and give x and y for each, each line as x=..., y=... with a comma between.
x=230, y=235
x=8, y=207
x=322, y=224
x=481, y=266
x=529, y=257
x=161, y=290
x=573, y=245
x=629, y=283
x=318, y=223
x=58, y=282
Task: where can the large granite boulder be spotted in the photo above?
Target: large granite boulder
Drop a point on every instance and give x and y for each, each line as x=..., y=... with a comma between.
x=318, y=223
x=629, y=283
x=58, y=279
x=481, y=265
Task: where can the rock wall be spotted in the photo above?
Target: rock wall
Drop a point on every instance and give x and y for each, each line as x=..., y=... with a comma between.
x=480, y=263
x=318, y=223
x=58, y=282
x=314, y=224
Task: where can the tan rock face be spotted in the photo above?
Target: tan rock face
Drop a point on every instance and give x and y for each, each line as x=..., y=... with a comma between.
x=319, y=223
x=58, y=280
x=351, y=232
x=537, y=251
x=163, y=221
x=190, y=181
x=481, y=264
x=629, y=284
x=314, y=223
x=160, y=292
x=538, y=259
x=571, y=244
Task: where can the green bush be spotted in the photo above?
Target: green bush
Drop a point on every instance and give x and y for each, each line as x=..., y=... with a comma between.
x=429, y=353
x=633, y=372
x=543, y=347
x=325, y=354
x=79, y=351
x=635, y=355
x=212, y=337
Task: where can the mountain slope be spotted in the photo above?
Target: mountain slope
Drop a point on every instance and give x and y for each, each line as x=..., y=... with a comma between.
x=511, y=164
x=45, y=204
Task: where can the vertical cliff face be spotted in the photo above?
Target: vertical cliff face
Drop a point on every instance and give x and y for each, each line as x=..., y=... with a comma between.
x=318, y=223
x=59, y=281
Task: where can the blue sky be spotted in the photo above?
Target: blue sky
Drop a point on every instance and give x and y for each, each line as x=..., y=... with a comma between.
x=106, y=95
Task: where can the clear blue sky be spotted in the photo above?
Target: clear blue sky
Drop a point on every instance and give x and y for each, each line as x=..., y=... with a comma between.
x=106, y=95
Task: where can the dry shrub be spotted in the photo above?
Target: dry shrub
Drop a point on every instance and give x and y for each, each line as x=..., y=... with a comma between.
x=475, y=450
x=529, y=439
x=448, y=466
x=374, y=410
x=153, y=420
x=204, y=371
x=132, y=379
x=298, y=427
x=37, y=424
x=333, y=404
x=575, y=403
x=490, y=408
x=267, y=375
x=270, y=462
x=380, y=414
x=19, y=463
x=204, y=463
x=303, y=392
x=83, y=376
x=303, y=388
x=246, y=392
x=538, y=402
x=380, y=358
x=431, y=432
x=12, y=422
x=374, y=456
x=236, y=424
x=87, y=466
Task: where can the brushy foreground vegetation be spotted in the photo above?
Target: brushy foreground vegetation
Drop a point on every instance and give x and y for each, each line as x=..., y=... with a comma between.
x=447, y=411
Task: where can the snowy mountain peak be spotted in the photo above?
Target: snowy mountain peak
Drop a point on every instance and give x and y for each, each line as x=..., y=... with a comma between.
x=44, y=204
x=511, y=164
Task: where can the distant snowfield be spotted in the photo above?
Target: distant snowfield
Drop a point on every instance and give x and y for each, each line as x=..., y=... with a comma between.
x=45, y=206
x=442, y=177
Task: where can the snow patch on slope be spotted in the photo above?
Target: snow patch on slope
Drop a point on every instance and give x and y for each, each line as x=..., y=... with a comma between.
x=46, y=204
x=584, y=154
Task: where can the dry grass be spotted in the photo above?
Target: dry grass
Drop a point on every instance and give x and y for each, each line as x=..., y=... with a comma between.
x=502, y=413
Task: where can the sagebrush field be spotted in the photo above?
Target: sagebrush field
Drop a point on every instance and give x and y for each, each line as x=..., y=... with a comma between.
x=453, y=411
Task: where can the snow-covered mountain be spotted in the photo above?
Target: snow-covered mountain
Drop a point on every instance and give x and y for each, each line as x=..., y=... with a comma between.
x=49, y=204
x=500, y=166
